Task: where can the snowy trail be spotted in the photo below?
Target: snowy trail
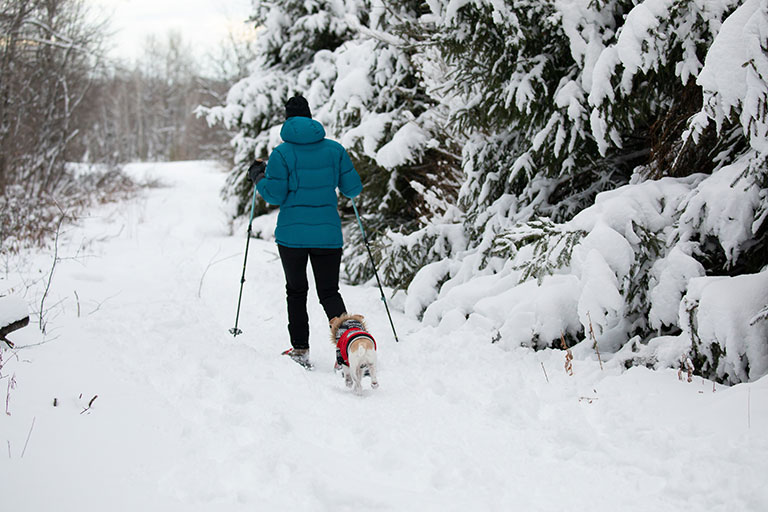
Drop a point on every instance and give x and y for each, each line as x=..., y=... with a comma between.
x=189, y=418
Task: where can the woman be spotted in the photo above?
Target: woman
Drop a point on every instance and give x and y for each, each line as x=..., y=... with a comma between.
x=302, y=176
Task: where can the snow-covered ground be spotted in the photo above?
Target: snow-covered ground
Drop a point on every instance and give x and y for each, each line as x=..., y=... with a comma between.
x=159, y=408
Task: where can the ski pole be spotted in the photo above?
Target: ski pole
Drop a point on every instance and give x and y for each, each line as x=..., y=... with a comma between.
x=235, y=331
x=375, y=272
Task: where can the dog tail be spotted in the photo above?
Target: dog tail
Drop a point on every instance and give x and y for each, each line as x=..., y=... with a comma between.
x=366, y=350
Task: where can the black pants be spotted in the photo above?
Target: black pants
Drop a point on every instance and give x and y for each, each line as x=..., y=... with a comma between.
x=325, y=267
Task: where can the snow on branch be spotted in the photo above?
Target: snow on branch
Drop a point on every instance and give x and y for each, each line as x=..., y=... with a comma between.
x=13, y=316
x=735, y=75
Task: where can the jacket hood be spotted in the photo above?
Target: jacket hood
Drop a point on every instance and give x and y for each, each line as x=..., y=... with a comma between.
x=302, y=130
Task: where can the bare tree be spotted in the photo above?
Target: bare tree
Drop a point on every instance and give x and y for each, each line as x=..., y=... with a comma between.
x=147, y=112
x=61, y=101
x=49, y=54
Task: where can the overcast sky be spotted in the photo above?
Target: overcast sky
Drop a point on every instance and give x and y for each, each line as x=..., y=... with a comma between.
x=202, y=23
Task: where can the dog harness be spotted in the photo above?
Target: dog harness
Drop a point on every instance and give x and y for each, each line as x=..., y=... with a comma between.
x=354, y=330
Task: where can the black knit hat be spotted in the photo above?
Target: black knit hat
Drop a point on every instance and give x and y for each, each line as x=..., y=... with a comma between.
x=297, y=106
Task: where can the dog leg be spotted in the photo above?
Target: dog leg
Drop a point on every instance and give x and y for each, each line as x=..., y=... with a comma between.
x=347, y=376
x=374, y=379
x=357, y=377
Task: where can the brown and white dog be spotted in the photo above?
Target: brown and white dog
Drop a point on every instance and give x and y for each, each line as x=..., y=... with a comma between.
x=356, y=350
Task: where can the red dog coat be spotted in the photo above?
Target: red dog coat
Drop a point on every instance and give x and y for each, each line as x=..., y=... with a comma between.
x=348, y=336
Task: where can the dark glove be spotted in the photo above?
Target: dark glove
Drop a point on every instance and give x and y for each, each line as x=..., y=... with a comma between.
x=257, y=170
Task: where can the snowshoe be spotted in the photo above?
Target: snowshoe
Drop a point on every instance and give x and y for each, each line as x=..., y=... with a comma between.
x=300, y=356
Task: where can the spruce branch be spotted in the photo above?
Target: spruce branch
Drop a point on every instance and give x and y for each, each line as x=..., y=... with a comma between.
x=552, y=247
x=760, y=316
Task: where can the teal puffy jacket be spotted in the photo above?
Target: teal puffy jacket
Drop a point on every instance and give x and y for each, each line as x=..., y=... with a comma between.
x=301, y=177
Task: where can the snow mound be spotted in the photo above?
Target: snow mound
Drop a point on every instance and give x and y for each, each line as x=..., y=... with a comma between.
x=630, y=264
x=723, y=315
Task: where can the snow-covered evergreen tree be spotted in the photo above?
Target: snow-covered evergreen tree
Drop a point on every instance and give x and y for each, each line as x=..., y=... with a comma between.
x=563, y=99
x=613, y=151
x=290, y=34
x=364, y=85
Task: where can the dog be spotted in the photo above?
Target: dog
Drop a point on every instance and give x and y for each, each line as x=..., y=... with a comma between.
x=355, y=350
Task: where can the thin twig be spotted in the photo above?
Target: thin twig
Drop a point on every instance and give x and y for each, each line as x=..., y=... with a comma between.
x=89, y=404
x=545, y=372
x=210, y=264
x=38, y=343
x=686, y=365
x=13, y=354
x=28, y=436
x=594, y=340
x=77, y=298
x=568, y=355
x=99, y=304
x=11, y=385
x=50, y=275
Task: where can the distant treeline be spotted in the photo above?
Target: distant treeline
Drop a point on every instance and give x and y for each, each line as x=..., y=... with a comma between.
x=62, y=100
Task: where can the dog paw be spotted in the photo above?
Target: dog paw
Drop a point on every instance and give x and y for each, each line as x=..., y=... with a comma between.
x=374, y=385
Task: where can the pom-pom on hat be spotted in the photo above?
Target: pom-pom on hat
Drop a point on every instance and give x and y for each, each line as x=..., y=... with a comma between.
x=297, y=107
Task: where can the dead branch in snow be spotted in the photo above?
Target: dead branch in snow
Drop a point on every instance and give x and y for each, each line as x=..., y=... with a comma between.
x=90, y=404
x=568, y=355
x=594, y=340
